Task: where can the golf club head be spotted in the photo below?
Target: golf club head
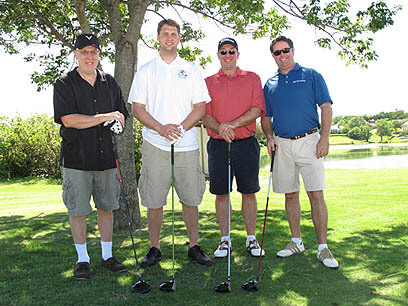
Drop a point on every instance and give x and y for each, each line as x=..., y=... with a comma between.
x=169, y=286
x=141, y=287
x=224, y=287
x=251, y=286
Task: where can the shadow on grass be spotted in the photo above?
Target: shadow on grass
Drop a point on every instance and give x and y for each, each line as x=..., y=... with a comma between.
x=38, y=256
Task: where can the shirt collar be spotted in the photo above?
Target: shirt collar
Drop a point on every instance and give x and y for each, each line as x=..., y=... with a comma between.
x=239, y=72
x=296, y=68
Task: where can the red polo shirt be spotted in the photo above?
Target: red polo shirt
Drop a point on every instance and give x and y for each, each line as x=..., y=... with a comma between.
x=231, y=97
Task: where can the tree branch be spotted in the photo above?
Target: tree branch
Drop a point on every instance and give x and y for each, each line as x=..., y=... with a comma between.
x=80, y=11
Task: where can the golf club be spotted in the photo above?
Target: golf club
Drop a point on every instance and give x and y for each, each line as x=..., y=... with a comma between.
x=140, y=286
x=225, y=287
x=170, y=286
x=254, y=284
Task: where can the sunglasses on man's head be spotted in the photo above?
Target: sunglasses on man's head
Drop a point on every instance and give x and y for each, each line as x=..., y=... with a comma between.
x=284, y=50
x=224, y=52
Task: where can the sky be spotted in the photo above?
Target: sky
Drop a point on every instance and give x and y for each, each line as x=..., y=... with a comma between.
x=354, y=90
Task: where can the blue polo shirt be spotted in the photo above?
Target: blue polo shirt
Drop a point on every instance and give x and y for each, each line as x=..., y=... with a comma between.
x=292, y=100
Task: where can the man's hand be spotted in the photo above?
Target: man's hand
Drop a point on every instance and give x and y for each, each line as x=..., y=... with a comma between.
x=271, y=147
x=322, y=147
x=169, y=131
x=226, y=131
x=175, y=141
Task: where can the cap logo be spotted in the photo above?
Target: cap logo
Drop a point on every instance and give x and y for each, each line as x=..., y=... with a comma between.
x=88, y=37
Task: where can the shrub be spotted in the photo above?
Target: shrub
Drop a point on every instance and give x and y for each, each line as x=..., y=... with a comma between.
x=29, y=147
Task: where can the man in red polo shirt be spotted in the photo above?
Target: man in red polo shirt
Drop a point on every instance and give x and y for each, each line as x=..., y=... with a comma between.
x=237, y=99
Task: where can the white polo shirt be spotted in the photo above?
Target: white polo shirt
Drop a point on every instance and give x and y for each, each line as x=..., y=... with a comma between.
x=169, y=91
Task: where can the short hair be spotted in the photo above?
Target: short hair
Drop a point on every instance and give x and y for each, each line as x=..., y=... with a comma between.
x=169, y=22
x=281, y=38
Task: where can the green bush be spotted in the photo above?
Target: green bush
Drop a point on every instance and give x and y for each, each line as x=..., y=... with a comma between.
x=29, y=147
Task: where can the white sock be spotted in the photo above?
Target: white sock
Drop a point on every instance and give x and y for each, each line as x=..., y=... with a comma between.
x=321, y=247
x=298, y=241
x=250, y=237
x=82, y=252
x=106, y=249
x=224, y=238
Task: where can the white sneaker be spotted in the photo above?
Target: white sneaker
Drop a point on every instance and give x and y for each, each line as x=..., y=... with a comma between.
x=327, y=259
x=222, y=250
x=291, y=249
x=253, y=248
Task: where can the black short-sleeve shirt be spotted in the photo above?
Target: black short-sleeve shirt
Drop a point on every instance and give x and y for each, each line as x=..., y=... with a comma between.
x=87, y=149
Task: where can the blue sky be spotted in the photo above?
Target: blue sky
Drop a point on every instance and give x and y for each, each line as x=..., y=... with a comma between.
x=355, y=91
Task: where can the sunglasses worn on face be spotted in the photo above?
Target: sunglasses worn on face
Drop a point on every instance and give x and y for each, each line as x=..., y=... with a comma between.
x=284, y=50
x=231, y=52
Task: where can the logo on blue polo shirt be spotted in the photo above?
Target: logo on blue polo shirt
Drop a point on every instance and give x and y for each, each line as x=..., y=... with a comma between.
x=298, y=81
x=182, y=74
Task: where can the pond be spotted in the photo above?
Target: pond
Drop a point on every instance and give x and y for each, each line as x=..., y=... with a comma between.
x=362, y=156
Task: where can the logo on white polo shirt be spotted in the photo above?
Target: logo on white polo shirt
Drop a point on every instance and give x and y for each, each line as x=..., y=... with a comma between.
x=182, y=74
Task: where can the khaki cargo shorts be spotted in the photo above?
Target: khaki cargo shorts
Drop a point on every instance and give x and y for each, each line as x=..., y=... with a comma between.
x=155, y=177
x=79, y=185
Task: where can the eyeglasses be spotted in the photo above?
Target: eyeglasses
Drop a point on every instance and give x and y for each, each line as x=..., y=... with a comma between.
x=231, y=52
x=284, y=50
x=86, y=52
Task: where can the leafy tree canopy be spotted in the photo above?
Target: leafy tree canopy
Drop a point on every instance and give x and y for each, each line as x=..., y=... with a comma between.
x=56, y=23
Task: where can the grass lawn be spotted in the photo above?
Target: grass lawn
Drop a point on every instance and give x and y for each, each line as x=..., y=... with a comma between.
x=368, y=234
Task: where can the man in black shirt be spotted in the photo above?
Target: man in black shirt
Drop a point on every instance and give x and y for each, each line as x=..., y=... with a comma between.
x=84, y=99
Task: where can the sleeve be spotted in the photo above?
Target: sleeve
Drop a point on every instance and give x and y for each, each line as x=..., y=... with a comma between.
x=139, y=90
x=320, y=88
x=63, y=100
x=258, y=98
x=200, y=91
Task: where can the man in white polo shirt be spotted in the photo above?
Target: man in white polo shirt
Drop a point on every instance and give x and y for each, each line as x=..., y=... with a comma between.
x=169, y=97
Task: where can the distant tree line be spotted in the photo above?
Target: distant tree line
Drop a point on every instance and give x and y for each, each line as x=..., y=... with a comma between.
x=362, y=127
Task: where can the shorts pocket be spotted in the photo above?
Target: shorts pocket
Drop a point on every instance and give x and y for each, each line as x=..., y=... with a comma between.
x=68, y=194
x=142, y=184
x=200, y=181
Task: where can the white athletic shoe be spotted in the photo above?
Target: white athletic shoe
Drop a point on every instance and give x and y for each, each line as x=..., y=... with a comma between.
x=222, y=250
x=327, y=259
x=291, y=249
x=254, y=248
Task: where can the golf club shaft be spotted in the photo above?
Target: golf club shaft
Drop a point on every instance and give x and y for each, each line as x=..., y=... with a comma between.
x=172, y=198
x=266, y=214
x=229, y=213
x=115, y=152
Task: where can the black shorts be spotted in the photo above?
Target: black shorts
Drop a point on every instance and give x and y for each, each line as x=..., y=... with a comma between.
x=244, y=165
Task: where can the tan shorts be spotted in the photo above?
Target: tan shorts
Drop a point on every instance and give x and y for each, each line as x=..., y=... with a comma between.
x=79, y=185
x=155, y=177
x=294, y=156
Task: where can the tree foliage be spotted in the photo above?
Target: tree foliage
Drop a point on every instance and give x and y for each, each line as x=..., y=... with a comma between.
x=360, y=133
x=384, y=128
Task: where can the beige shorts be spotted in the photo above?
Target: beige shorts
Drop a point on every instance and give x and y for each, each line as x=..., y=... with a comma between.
x=79, y=185
x=155, y=177
x=294, y=156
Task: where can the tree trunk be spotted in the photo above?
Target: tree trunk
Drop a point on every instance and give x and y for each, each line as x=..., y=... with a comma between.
x=125, y=68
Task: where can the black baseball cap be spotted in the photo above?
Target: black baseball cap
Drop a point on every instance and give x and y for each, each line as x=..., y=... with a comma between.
x=227, y=40
x=84, y=40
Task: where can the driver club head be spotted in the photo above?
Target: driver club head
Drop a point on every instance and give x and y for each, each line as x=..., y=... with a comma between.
x=224, y=287
x=141, y=287
x=251, y=286
x=169, y=286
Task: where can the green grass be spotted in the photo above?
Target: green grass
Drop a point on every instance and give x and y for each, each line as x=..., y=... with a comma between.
x=368, y=234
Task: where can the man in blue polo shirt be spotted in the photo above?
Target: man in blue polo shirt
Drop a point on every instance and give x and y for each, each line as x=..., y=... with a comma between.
x=291, y=126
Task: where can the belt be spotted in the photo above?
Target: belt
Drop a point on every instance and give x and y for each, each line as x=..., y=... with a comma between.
x=304, y=135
